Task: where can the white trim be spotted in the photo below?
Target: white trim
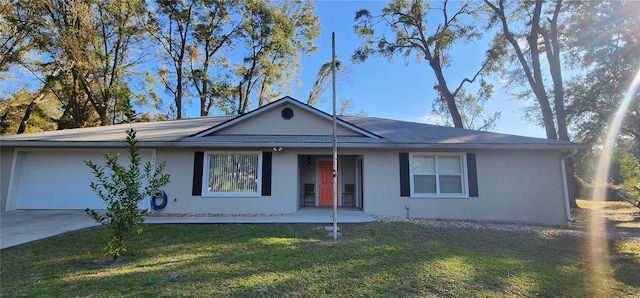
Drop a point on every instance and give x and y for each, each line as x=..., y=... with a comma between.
x=205, y=176
x=464, y=176
x=358, y=191
x=11, y=203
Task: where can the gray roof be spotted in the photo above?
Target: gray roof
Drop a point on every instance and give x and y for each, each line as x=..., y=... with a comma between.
x=161, y=131
x=387, y=133
x=402, y=132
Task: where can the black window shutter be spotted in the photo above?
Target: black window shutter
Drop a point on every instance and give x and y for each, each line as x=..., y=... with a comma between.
x=405, y=187
x=266, y=173
x=198, y=158
x=472, y=171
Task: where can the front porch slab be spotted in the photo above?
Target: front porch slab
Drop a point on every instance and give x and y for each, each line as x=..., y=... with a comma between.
x=304, y=215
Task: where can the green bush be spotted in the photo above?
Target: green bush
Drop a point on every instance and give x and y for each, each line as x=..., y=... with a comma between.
x=122, y=190
x=630, y=171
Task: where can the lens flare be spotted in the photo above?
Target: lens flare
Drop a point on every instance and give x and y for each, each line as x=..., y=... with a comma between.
x=598, y=251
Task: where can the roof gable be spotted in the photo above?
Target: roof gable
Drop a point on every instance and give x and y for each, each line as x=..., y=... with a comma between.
x=286, y=117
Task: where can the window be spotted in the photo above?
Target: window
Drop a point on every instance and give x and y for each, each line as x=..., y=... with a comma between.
x=438, y=175
x=232, y=174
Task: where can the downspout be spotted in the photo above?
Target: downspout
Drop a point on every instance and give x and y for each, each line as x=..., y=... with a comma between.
x=565, y=186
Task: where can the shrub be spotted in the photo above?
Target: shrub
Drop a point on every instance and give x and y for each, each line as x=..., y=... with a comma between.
x=122, y=190
x=585, y=190
x=630, y=171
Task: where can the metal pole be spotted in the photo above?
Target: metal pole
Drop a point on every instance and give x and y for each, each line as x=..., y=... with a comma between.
x=335, y=139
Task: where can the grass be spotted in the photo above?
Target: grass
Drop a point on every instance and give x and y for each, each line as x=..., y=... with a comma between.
x=298, y=260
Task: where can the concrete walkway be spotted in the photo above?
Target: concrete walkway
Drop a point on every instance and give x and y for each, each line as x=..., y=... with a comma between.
x=304, y=215
x=23, y=226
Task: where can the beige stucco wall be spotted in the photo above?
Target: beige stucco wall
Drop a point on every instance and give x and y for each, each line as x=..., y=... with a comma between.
x=283, y=197
x=514, y=185
x=288, y=178
x=6, y=159
x=302, y=123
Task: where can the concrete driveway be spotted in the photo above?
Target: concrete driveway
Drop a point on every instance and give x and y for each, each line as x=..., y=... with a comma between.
x=23, y=226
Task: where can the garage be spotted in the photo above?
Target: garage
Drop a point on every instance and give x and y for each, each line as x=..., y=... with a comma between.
x=57, y=179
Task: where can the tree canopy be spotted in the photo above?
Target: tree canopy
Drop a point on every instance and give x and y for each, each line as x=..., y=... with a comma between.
x=94, y=61
x=425, y=33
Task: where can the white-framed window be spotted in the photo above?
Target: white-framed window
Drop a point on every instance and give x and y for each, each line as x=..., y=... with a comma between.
x=438, y=175
x=229, y=174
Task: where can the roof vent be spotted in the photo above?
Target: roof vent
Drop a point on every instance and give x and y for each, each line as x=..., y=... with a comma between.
x=287, y=113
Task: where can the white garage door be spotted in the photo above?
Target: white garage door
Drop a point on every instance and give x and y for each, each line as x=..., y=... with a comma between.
x=59, y=180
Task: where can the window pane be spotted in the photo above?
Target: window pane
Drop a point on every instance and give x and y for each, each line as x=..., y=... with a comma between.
x=424, y=165
x=450, y=184
x=233, y=173
x=424, y=183
x=449, y=165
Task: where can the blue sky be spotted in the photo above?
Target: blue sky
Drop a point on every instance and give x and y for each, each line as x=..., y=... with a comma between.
x=397, y=90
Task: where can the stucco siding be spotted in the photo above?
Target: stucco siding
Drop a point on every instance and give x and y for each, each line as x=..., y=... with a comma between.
x=381, y=182
x=303, y=123
x=283, y=197
x=514, y=185
x=290, y=171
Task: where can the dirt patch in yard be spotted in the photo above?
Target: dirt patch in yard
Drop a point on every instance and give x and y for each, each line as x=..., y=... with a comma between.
x=622, y=219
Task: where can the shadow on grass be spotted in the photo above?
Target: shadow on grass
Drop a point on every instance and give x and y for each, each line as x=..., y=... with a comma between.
x=626, y=262
x=375, y=259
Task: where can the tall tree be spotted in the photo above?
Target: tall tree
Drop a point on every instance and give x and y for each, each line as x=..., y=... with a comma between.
x=86, y=48
x=64, y=37
x=604, y=47
x=216, y=26
x=173, y=28
x=275, y=35
x=538, y=23
x=14, y=33
x=408, y=21
x=120, y=30
x=522, y=21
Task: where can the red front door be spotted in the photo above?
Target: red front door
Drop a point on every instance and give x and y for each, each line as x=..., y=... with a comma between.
x=325, y=183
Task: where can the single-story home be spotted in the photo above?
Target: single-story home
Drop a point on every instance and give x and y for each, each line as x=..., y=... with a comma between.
x=279, y=158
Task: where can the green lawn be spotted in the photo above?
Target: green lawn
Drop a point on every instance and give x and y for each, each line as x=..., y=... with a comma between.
x=277, y=260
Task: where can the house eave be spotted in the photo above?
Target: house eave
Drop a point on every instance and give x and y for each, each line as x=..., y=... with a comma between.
x=386, y=145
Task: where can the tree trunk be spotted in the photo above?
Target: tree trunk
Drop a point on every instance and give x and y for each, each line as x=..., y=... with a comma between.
x=178, y=98
x=537, y=84
x=27, y=113
x=553, y=57
x=533, y=72
x=263, y=93
x=443, y=89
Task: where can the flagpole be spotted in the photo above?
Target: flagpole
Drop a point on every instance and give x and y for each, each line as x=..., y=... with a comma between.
x=335, y=139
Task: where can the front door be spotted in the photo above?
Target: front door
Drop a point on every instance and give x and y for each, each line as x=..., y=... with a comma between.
x=325, y=183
